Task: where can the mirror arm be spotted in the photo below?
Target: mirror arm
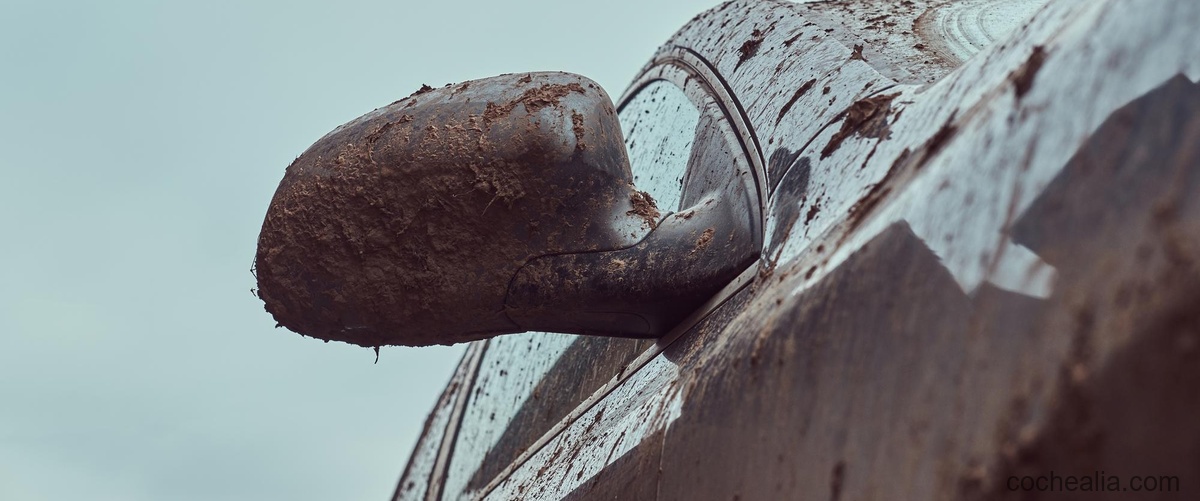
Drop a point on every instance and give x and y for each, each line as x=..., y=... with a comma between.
x=643, y=290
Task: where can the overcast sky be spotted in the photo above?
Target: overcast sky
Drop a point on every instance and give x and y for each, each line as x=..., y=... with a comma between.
x=140, y=142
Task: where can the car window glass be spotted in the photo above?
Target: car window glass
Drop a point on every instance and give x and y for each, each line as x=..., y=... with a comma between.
x=511, y=368
x=415, y=481
x=659, y=124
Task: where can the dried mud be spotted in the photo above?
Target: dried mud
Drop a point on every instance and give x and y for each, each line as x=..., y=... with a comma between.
x=856, y=54
x=645, y=208
x=1023, y=77
x=866, y=118
x=404, y=226
x=702, y=242
x=795, y=97
x=533, y=100
x=749, y=48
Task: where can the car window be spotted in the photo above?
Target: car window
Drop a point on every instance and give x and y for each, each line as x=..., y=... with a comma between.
x=417, y=477
x=526, y=384
x=659, y=125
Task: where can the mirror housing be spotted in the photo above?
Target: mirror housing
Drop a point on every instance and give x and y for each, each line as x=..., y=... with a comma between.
x=443, y=217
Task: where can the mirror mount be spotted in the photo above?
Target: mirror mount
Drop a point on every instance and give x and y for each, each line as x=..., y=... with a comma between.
x=488, y=207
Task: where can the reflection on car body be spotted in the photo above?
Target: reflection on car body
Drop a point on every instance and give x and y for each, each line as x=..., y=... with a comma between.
x=965, y=267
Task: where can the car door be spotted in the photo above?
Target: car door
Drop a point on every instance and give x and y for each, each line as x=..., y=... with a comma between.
x=516, y=389
x=962, y=269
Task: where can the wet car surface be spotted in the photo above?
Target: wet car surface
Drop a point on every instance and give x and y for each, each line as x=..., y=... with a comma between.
x=964, y=272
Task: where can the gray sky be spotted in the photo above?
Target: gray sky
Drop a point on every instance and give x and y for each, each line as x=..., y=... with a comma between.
x=140, y=142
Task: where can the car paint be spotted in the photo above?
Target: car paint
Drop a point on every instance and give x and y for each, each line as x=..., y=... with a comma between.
x=958, y=278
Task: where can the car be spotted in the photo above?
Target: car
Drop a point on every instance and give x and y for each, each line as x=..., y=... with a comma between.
x=834, y=250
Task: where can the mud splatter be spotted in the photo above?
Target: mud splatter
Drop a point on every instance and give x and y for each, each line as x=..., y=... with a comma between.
x=1023, y=77
x=749, y=48
x=644, y=207
x=533, y=99
x=857, y=54
x=867, y=118
x=702, y=242
x=939, y=139
x=795, y=97
x=577, y=128
x=813, y=211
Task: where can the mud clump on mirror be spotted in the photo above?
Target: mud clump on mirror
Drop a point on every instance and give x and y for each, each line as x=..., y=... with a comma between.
x=405, y=226
x=644, y=207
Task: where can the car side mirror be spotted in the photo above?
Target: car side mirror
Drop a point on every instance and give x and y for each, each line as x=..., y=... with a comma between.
x=492, y=206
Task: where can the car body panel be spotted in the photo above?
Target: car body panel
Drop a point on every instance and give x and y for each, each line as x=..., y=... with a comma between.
x=518, y=397
x=423, y=477
x=989, y=275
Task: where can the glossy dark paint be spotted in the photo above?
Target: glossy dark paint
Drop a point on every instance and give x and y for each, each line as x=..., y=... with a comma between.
x=1004, y=283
